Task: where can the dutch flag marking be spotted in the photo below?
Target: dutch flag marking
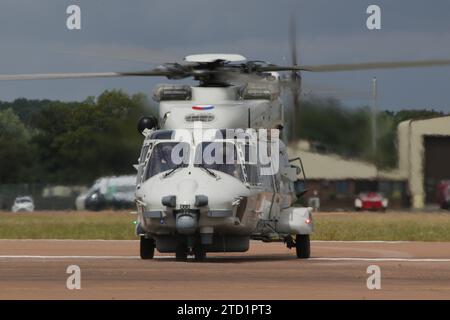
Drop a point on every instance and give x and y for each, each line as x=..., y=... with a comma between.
x=203, y=108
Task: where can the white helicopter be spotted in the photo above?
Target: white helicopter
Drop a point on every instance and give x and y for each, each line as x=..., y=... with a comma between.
x=196, y=206
x=193, y=205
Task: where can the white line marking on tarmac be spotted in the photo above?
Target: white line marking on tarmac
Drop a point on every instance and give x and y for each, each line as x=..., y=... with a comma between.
x=362, y=241
x=255, y=241
x=66, y=257
x=339, y=259
x=383, y=259
x=67, y=240
x=78, y=257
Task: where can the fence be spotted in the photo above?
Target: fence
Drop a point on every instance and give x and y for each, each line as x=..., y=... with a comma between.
x=45, y=197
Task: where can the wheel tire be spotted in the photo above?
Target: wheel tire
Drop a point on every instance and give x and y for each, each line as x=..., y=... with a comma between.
x=147, y=248
x=199, y=254
x=303, y=246
x=181, y=252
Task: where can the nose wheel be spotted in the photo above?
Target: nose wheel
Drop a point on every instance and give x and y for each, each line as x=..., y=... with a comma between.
x=199, y=253
x=182, y=251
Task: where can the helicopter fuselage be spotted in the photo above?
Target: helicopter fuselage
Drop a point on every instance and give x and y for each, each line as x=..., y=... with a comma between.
x=195, y=204
x=216, y=205
x=222, y=107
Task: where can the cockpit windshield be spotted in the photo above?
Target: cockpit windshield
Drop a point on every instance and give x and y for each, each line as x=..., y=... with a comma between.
x=167, y=156
x=220, y=156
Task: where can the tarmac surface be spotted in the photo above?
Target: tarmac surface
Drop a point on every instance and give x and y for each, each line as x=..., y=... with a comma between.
x=36, y=269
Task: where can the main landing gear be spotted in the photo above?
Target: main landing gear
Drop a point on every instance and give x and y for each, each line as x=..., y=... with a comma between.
x=303, y=246
x=147, y=248
x=301, y=243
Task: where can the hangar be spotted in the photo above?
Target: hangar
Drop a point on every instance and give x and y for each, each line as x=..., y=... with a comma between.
x=423, y=161
x=424, y=157
x=338, y=179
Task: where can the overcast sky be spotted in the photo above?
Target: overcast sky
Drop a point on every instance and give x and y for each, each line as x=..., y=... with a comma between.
x=139, y=34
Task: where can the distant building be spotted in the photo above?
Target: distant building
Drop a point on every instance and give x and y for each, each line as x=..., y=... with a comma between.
x=424, y=160
x=424, y=157
x=338, y=179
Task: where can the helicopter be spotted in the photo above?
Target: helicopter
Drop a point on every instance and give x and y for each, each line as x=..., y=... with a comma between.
x=189, y=205
x=197, y=206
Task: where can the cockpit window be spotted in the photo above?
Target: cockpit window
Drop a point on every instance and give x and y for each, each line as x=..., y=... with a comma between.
x=143, y=153
x=167, y=156
x=220, y=156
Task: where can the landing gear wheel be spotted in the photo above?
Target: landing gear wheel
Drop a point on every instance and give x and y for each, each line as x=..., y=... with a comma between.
x=147, y=248
x=303, y=246
x=181, y=252
x=199, y=253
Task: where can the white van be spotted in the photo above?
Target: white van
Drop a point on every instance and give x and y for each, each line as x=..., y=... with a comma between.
x=108, y=192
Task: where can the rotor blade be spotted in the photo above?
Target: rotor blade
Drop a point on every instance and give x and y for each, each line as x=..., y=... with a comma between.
x=239, y=78
x=293, y=40
x=375, y=65
x=50, y=76
x=295, y=89
x=296, y=78
x=274, y=67
x=357, y=66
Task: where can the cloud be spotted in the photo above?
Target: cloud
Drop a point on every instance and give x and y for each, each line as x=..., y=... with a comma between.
x=116, y=36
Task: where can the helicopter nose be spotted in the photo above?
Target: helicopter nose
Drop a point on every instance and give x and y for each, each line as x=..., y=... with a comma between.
x=186, y=191
x=186, y=223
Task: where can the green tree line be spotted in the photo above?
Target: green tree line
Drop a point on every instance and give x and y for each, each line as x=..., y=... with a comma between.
x=347, y=131
x=70, y=142
x=76, y=142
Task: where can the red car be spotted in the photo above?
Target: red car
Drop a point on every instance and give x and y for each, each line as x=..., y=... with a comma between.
x=371, y=201
x=443, y=194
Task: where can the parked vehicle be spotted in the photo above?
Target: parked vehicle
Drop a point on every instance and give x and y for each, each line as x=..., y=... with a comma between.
x=443, y=194
x=108, y=192
x=374, y=201
x=24, y=203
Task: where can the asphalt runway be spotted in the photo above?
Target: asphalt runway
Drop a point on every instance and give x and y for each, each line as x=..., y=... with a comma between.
x=36, y=269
